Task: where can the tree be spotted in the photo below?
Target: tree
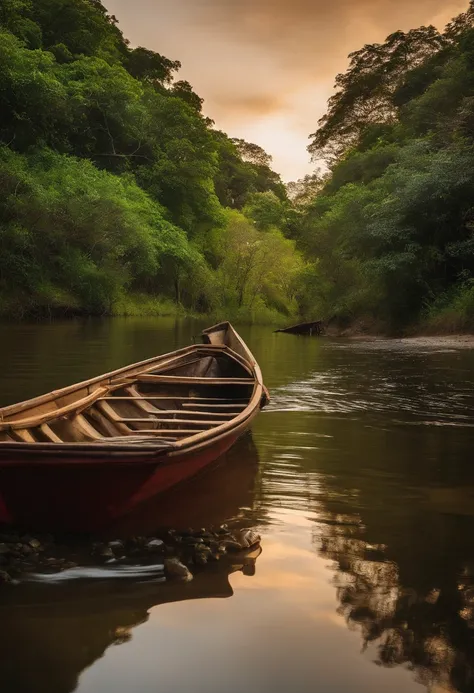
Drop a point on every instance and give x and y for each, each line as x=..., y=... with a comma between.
x=252, y=153
x=303, y=191
x=150, y=66
x=265, y=210
x=76, y=237
x=365, y=91
x=83, y=26
x=255, y=266
x=15, y=16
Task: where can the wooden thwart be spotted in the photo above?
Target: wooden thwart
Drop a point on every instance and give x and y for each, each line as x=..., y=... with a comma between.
x=171, y=432
x=177, y=398
x=188, y=380
x=199, y=422
x=191, y=405
x=186, y=412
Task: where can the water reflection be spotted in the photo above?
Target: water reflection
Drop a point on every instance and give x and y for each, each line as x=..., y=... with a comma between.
x=416, y=610
x=222, y=494
x=359, y=477
x=384, y=499
x=51, y=633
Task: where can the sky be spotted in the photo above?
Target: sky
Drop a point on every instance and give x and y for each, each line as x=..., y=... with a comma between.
x=266, y=68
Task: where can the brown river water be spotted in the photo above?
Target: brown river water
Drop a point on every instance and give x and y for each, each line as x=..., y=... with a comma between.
x=360, y=478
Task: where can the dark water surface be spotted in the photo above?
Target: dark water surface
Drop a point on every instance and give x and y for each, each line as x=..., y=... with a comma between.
x=360, y=478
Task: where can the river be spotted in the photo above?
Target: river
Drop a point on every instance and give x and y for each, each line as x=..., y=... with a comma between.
x=360, y=478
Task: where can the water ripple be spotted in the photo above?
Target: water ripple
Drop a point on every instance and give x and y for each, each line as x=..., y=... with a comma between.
x=336, y=391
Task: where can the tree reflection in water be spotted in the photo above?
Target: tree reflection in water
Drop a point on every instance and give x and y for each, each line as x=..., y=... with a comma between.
x=415, y=611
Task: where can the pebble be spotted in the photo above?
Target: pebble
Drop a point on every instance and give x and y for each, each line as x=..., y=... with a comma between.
x=247, y=538
x=155, y=545
x=22, y=554
x=35, y=544
x=116, y=546
x=5, y=578
x=230, y=545
x=174, y=568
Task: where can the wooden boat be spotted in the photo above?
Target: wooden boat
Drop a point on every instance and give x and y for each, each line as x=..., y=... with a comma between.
x=87, y=454
x=309, y=328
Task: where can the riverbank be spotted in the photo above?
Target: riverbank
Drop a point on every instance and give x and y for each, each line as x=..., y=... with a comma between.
x=139, y=306
x=420, y=335
x=449, y=342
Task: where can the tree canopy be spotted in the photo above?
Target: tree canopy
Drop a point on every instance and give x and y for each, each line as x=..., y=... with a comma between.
x=388, y=229
x=91, y=126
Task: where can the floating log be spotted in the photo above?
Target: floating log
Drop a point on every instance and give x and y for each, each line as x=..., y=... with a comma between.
x=313, y=328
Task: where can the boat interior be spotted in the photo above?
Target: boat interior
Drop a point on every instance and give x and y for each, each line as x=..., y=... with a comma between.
x=161, y=401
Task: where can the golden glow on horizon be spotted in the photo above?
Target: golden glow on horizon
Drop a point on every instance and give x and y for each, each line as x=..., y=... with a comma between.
x=266, y=67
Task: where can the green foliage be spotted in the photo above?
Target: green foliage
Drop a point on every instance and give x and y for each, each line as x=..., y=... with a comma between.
x=115, y=187
x=452, y=311
x=151, y=67
x=255, y=268
x=365, y=91
x=266, y=210
x=76, y=237
x=83, y=26
x=390, y=228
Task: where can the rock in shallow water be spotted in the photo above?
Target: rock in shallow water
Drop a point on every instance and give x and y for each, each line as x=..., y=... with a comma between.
x=5, y=578
x=35, y=544
x=155, y=545
x=177, y=570
x=230, y=545
x=247, y=538
x=117, y=546
x=44, y=555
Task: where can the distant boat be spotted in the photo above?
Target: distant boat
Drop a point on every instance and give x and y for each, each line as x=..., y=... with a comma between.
x=82, y=456
x=309, y=328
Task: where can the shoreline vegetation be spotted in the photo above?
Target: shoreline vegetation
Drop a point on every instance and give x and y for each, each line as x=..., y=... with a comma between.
x=120, y=197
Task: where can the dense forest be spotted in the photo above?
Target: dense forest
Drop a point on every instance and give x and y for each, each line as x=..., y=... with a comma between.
x=121, y=197
x=389, y=224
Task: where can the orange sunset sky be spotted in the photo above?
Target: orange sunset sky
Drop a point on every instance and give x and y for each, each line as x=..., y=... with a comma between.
x=266, y=67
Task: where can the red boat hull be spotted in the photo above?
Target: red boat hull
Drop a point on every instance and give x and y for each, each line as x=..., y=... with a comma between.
x=73, y=495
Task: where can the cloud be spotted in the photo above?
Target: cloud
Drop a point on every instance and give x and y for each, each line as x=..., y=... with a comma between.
x=266, y=67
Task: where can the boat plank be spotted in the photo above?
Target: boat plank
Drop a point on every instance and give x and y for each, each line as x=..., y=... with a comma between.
x=189, y=380
x=193, y=406
x=186, y=412
x=172, y=432
x=177, y=398
x=103, y=422
x=198, y=422
x=86, y=428
x=24, y=435
x=50, y=434
x=113, y=416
